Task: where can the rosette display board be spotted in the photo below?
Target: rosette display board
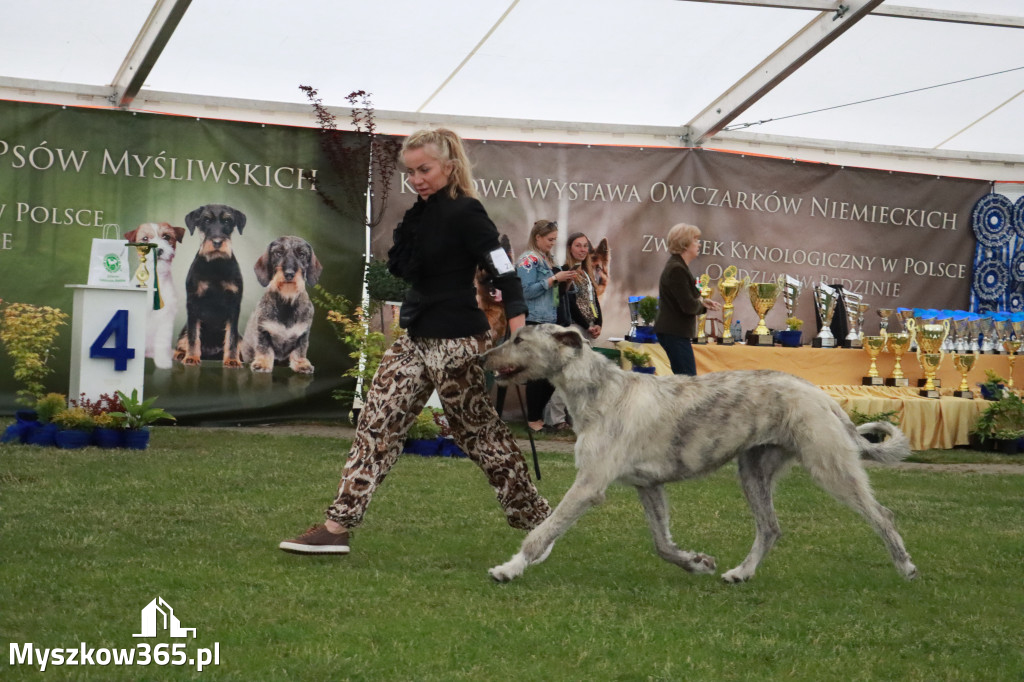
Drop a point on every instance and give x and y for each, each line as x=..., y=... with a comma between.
x=998, y=283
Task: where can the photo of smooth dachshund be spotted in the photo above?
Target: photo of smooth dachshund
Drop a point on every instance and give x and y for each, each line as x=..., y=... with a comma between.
x=213, y=289
x=278, y=329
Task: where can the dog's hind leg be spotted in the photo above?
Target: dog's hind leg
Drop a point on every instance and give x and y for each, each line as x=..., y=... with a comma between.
x=758, y=468
x=655, y=503
x=580, y=497
x=845, y=479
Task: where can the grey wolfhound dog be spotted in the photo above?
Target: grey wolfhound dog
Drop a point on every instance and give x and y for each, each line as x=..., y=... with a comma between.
x=646, y=431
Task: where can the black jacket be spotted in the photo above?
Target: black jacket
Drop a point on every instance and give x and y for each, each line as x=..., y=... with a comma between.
x=445, y=240
x=679, y=301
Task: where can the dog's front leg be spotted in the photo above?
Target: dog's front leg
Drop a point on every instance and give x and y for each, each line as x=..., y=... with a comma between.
x=231, y=358
x=655, y=504
x=297, y=358
x=581, y=496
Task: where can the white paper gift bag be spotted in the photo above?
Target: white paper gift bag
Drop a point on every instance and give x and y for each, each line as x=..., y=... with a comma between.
x=108, y=260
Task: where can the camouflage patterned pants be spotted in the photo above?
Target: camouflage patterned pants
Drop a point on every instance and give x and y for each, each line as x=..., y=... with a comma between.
x=409, y=372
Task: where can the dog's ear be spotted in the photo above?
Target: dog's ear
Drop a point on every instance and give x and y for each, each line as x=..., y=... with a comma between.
x=603, y=249
x=192, y=219
x=262, y=268
x=179, y=233
x=312, y=276
x=569, y=339
x=130, y=236
x=239, y=220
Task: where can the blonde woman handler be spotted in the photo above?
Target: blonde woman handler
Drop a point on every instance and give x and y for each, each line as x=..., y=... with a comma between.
x=438, y=246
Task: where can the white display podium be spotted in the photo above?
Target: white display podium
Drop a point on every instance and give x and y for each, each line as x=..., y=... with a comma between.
x=108, y=339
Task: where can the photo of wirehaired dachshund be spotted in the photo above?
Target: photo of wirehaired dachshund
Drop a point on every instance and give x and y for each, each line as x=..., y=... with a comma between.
x=213, y=289
x=278, y=329
x=160, y=323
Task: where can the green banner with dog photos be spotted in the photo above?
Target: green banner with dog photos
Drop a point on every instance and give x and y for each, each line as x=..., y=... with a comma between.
x=246, y=219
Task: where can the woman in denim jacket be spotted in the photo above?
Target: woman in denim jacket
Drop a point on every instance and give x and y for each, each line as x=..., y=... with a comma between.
x=540, y=278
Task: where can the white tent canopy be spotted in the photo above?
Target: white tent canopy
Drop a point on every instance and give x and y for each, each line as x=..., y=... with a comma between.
x=925, y=85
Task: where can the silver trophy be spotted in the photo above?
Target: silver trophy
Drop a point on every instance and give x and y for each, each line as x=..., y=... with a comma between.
x=791, y=289
x=825, y=299
x=852, y=302
x=973, y=330
x=961, y=334
x=634, y=316
x=987, y=326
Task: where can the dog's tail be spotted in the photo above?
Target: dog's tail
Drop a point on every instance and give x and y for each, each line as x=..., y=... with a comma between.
x=895, y=447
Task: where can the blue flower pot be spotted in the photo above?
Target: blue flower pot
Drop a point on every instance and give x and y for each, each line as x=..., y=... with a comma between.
x=43, y=435
x=72, y=439
x=645, y=334
x=645, y=370
x=25, y=422
x=790, y=338
x=450, y=449
x=423, y=446
x=135, y=439
x=106, y=438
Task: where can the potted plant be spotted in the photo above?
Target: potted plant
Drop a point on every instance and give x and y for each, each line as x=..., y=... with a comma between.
x=646, y=310
x=993, y=387
x=790, y=336
x=76, y=425
x=46, y=408
x=640, y=360
x=136, y=417
x=1001, y=425
x=423, y=436
x=351, y=325
x=28, y=333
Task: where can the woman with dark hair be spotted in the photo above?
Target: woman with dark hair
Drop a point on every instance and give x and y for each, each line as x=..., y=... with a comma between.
x=439, y=245
x=679, y=301
x=541, y=280
x=581, y=292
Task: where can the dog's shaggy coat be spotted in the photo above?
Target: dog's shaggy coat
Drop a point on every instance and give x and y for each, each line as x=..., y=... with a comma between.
x=646, y=431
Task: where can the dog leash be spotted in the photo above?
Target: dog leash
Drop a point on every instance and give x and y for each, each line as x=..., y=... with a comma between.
x=529, y=431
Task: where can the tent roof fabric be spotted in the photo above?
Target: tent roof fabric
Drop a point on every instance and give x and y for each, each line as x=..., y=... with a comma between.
x=939, y=77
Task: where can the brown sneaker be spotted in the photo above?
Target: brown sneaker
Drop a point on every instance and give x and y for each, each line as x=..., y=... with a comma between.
x=317, y=540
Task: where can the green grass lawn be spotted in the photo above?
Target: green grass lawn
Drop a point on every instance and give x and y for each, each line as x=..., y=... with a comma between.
x=89, y=537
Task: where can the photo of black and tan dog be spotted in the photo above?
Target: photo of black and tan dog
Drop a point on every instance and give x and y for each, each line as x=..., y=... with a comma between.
x=213, y=289
x=278, y=329
x=160, y=323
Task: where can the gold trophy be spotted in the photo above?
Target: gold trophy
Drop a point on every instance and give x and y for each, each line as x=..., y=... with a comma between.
x=763, y=297
x=929, y=352
x=142, y=272
x=729, y=287
x=873, y=345
x=883, y=322
x=898, y=344
x=704, y=287
x=963, y=363
x=1011, y=347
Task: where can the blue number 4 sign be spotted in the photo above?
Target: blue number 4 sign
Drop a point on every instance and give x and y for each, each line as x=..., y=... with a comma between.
x=117, y=332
